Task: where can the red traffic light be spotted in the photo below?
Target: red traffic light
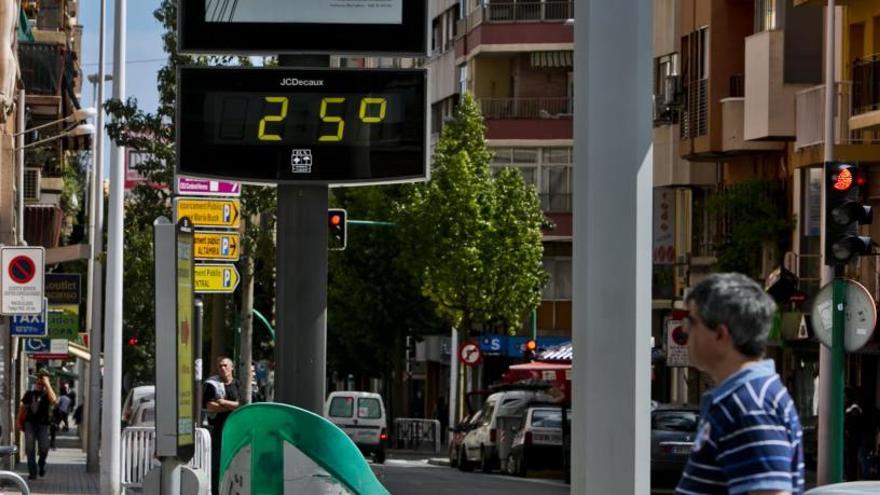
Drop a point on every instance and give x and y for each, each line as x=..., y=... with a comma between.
x=133, y=340
x=531, y=345
x=335, y=219
x=844, y=179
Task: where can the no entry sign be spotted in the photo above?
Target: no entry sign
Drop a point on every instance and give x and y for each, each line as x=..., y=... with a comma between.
x=21, y=290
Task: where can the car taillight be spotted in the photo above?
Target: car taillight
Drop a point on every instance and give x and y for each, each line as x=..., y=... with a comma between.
x=492, y=434
x=384, y=435
x=528, y=440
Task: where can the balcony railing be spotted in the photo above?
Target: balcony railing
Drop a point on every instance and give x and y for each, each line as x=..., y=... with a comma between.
x=555, y=202
x=810, y=123
x=529, y=11
x=866, y=86
x=42, y=66
x=526, y=108
x=694, y=116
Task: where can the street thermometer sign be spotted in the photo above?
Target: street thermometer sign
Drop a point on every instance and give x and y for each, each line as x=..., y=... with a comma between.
x=320, y=126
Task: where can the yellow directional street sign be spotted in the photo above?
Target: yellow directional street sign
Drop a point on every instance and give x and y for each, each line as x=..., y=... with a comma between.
x=204, y=212
x=217, y=246
x=216, y=278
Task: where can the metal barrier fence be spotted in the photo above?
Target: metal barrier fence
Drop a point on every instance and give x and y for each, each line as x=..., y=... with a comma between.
x=414, y=433
x=139, y=454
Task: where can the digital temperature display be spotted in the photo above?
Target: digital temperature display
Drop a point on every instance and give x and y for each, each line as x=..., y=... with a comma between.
x=302, y=125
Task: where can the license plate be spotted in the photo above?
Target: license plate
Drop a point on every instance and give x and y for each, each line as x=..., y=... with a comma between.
x=681, y=449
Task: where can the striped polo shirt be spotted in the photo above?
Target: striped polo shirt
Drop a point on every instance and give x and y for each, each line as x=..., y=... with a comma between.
x=748, y=439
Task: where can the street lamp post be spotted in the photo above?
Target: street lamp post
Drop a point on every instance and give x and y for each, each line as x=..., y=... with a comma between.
x=112, y=414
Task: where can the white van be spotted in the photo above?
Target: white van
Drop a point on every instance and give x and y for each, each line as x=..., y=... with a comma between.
x=361, y=415
x=500, y=412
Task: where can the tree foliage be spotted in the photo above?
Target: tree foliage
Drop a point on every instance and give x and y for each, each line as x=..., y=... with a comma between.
x=153, y=135
x=753, y=214
x=473, y=240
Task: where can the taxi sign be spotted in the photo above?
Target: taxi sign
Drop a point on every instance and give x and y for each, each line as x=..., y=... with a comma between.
x=205, y=212
x=216, y=278
x=217, y=246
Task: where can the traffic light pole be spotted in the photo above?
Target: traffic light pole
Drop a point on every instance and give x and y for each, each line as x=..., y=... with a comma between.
x=837, y=322
x=828, y=372
x=301, y=285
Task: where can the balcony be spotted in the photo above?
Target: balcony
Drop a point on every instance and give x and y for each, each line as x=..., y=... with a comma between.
x=510, y=12
x=733, y=140
x=769, y=104
x=526, y=108
x=695, y=115
x=42, y=70
x=527, y=117
x=850, y=144
x=866, y=93
x=670, y=169
x=525, y=26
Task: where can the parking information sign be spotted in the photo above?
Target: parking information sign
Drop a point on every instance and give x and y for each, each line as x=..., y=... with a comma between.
x=30, y=325
x=22, y=280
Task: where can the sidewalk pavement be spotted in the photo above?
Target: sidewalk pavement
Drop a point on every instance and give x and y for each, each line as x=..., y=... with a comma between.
x=65, y=470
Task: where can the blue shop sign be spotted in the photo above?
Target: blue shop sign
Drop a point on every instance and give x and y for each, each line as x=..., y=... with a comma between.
x=493, y=345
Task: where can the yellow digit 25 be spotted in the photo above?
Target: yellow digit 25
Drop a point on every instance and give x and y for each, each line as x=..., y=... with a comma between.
x=332, y=119
x=261, y=134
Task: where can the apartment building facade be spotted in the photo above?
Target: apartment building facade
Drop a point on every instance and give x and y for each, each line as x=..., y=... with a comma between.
x=515, y=58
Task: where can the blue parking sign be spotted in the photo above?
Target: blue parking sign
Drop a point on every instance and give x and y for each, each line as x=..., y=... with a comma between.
x=30, y=325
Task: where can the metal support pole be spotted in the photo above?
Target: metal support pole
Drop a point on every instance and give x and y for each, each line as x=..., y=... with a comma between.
x=837, y=323
x=453, y=380
x=170, y=476
x=301, y=285
x=110, y=442
x=245, y=350
x=827, y=370
x=19, y=152
x=612, y=248
x=199, y=368
x=95, y=298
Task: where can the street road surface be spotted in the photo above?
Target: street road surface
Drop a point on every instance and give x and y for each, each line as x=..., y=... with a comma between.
x=416, y=477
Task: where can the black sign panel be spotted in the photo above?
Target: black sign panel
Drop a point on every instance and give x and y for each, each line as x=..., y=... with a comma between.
x=302, y=125
x=366, y=27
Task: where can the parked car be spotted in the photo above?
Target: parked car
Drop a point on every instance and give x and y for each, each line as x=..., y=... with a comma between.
x=458, y=432
x=361, y=415
x=538, y=441
x=851, y=488
x=673, y=430
x=144, y=414
x=500, y=412
x=134, y=397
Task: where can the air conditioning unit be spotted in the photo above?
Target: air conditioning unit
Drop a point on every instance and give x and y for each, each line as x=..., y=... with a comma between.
x=32, y=184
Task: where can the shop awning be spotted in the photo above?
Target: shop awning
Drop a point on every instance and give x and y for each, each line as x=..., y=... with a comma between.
x=555, y=58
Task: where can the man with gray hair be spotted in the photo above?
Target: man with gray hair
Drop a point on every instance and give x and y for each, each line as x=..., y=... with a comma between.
x=749, y=438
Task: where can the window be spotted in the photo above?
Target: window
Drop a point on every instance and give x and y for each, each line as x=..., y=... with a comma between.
x=547, y=418
x=548, y=169
x=765, y=15
x=675, y=421
x=342, y=407
x=369, y=408
x=559, y=285
x=462, y=78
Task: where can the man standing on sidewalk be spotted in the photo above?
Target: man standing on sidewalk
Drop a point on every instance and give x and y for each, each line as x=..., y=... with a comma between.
x=221, y=397
x=749, y=438
x=35, y=405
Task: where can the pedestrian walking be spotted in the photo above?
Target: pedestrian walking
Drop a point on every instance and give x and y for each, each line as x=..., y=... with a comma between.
x=221, y=397
x=34, y=413
x=749, y=437
x=59, y=415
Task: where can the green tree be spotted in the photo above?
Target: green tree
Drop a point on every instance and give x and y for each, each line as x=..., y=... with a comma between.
x=752, y=214
x=473, y=241
x=153, y=134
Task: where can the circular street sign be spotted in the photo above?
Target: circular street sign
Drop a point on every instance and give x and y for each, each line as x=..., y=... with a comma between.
x=21, y=269
x=860, y=315
x=469, y=354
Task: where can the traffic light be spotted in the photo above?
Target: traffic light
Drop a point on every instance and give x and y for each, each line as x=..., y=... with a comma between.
x=530, y=350
x=337, y=228
x=844, y=212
